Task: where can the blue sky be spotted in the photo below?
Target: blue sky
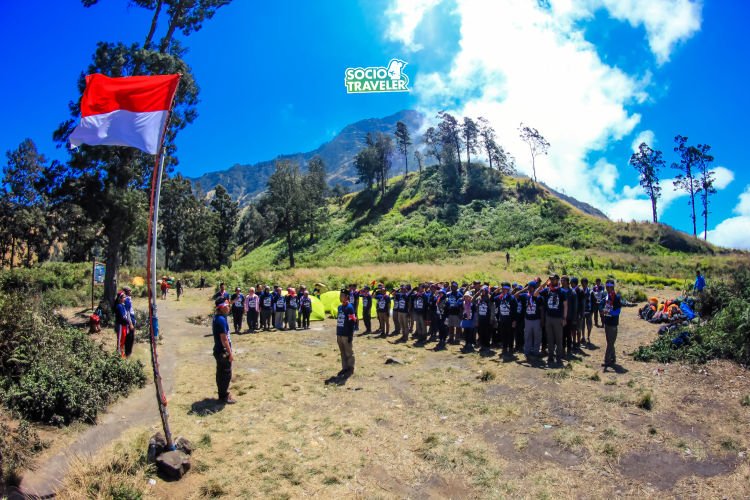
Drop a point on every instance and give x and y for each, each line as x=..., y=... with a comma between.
x=592, y=75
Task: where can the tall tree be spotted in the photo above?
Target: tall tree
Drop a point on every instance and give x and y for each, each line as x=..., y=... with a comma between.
x=383, y=150
x=690, y=158
x=488, y=137
x=176, y=200
x=227, y=213
x=366, y=164
x=110, y=183
x=316, y=190
x=470, y=133
x=706, y=177
x=285, y=195
x=403, y=141
x=536, y=142
x=450, y=134
x=433, y=144
x=648, y=162
x=418, y=157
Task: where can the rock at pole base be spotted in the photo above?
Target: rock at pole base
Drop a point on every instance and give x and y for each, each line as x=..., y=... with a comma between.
x=172, y=465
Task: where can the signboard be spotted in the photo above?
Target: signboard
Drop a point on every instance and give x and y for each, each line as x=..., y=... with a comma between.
x=99, y=270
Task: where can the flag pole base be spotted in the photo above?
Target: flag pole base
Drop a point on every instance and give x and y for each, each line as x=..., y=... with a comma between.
x=171, y=464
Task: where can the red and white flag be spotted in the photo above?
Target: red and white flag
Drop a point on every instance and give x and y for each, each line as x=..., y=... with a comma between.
x=127, y=111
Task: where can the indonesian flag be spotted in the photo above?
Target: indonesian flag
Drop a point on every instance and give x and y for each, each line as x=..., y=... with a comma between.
x=127, y=111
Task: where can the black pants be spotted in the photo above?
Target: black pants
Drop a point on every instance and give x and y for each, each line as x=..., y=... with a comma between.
x=520, y=336
x=252, y=319
x=265, y=318
x=485, y=334
x=305, y=318
x=505, y=329
x=237, y=313
x=434, y=326
x=367, y=321
x=568, y=330
x=129, y=339
x=442, y=332
x=223, y=374
x=470, y=336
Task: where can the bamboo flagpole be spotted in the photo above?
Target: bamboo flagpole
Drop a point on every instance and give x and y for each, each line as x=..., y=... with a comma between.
x=153, y=319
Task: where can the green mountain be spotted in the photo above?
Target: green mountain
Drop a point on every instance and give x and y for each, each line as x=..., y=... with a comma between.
x=244, y=182
x=415, y=224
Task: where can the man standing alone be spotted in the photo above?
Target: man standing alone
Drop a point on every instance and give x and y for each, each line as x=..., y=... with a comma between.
x=346, y=318
x=223, y=351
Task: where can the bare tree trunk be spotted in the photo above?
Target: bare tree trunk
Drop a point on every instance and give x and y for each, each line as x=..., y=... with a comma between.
x=489, y=157
x=114, y=256
x=692, y=206
x=154, y=21
x=289, y=246
x=12, y=251
x=653, y=208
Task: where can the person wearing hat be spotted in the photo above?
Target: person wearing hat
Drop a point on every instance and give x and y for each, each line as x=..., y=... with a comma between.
x=588, y=306
x=533, y=306
x=556, y=310
x=223, y=353
x=238, y=309
x=611, y=320
x=292, y=306
x=506, y=308
x=346, y=319
x=366, y=299
x=123, y=327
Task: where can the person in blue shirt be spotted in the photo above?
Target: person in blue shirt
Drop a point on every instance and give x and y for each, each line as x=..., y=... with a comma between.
x=223, y=351
x=533, y=306
x=346, y=320
x=588, y=306
x=123, y=327
x=366, y=298
x=383, y=309
x=266, y=308
x=556, y=310
x=238, y=309
x=419, y=313
x=700, y=282
x=279, y=308
x=453, y=305
x=401, y=313
x=506, y=308
x=611, y=319
x=292, y=306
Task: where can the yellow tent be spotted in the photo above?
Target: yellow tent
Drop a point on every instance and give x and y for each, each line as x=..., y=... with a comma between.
x=331, y=301
x=318, y=309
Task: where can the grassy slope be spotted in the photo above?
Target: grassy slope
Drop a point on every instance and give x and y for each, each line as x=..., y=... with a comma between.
x=407, y=226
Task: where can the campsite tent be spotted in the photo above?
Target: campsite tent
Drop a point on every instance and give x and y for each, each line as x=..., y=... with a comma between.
x=318, y=308
x=331, y=302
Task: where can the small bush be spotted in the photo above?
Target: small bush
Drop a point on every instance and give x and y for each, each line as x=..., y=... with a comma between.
x=486, y=376
x=745, y=401
x=17, y=446
x=645, y=401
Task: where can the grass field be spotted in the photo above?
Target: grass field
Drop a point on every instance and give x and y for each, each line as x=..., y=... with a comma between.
x=440, y=425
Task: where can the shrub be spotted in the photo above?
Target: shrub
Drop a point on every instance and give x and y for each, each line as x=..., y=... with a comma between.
x=17, y=445
x=53, y=373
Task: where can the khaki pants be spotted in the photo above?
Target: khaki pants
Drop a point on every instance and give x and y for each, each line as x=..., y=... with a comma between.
x=402, y=323
x=610, y=332
x=533, y=336
x=419, y=330
x=347, y=353
x=385, y=322
x=554, y=329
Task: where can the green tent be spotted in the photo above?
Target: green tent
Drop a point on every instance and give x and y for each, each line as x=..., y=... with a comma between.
x=318, y=310
x=331, y=301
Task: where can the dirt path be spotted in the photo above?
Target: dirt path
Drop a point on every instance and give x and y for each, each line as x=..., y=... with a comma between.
x=138, y=409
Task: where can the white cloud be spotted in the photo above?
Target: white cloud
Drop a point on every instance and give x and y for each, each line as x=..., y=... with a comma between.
x=517, y=62
x=667, y=22
x=732, y=233
x=646, y=136
x=404, y=17
x=743, y=207
x=722, y=177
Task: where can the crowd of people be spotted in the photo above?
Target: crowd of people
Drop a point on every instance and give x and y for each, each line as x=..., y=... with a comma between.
x=552, y=318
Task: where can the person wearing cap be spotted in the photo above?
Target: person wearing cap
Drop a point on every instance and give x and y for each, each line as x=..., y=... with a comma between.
x=588, y=306
x=223, y=353
x=279, y=307
x=238, y=309
x=533, y=305
x=383, y=310
x=611, y=320
x=346, y=319
x=506, y=308
x=485, y=308
x=252, y=306
x=266, y=308
x=571, y=316
x=401, y=313
x=305, y=309
x=556, y=310
x=123, y=327
x=292, y=306
x=453, y=305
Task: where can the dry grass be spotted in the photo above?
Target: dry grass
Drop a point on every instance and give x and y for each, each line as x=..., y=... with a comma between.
x=434, y=427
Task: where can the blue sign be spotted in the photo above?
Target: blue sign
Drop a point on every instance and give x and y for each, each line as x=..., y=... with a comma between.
x=99, y=271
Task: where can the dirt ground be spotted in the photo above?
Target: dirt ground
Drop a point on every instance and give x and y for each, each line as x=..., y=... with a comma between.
x=446, y=424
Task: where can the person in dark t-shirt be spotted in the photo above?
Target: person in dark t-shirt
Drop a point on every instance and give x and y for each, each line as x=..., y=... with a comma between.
x=223, y=351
